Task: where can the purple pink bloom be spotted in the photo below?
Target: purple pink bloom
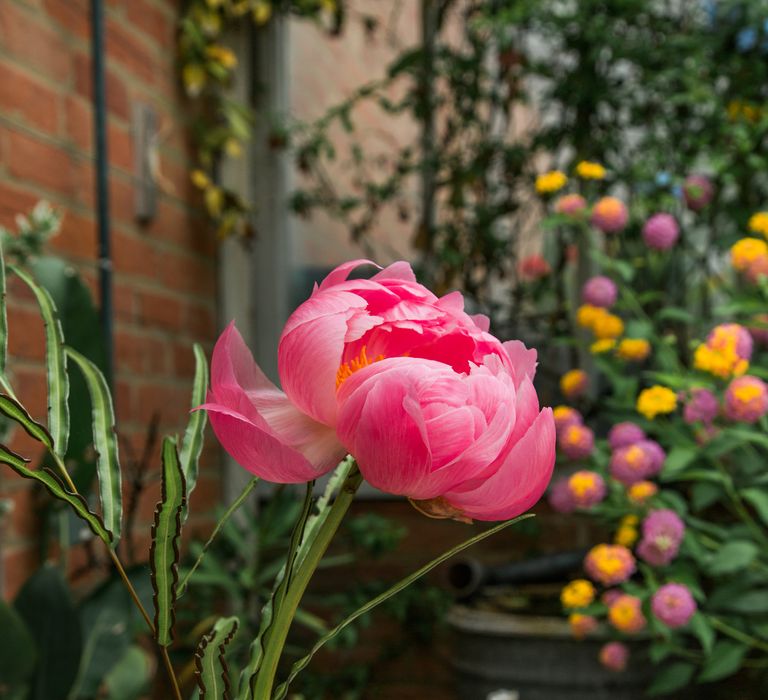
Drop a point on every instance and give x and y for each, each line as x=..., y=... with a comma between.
x=624, y=434
x=697, y=191
x=560, y=497
x=587, y=488
x=614, y=656
x=701, y=406
x=576, y=441
x=746, y=399
x=565, y=416
x=571, y=204
x=673, y=604
x=609, y=564
x=582, y=625
x=663, y=532
x=661, y=231
x=632, y=463
x=626, y=614
x=599, y=291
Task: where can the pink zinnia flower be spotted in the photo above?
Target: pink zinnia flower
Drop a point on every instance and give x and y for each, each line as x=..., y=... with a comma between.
x=587, y=488
x=697, y=191
x=746, y=399
x=631, y=464
x=599, y=291
x=560, y=497
x=610, y=215
x=429, y=403
x=624, y=434
x=611, y=596
x=663, y=531
x=731, y=336
x=571, y=205
x=626, y=614
x=576, y=441
x=673, y=604
x=614, y=656
x=701, y=407
x=657, y=454
x=661, y=231
x=534, y=267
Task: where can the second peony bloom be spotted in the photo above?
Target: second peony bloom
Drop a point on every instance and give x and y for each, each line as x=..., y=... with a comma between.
x=430, y=404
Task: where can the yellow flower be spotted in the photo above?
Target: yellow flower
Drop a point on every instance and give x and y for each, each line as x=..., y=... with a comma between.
x=222, y=55
x=607, y=325
x=656, y=400
x=720, y=354
x=551, y=181
x=626, y=614
x=577, y=594
x=262, y=11
x=194, y=78
x=758, y=223
x=233, y=148
x=581, y=625
x=600, y=347
x=586, y=315
x=746, y=251
x=634, y=349
x=641, y=491
x=627, y=532
x=200, y=179
x=589, y=170
x=573, y=383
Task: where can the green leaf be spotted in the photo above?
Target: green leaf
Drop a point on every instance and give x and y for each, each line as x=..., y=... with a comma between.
x=15, y=411
x=104, y=443
x=678, y=459
x=17, y=648
x=725, y=659
x=749, y=603
x=704, y=494
x=192, y=445
x=703, y=631
x=212, y=673
x=302, y=663
x=56, y=366
x=164, y=551
x=758, y=499
x=46, y=606
x=673, y=677
x=57, y=489
x=733, y=556
x=129, y=678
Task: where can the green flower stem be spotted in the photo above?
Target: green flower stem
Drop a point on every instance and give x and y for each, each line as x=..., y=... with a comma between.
x=737, y=634
x=284, y=615
x=738, y=504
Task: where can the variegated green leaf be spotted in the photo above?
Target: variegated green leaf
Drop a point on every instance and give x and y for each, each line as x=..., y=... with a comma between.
x=211, y=665
x=104, y=443
x=15, y=411
x=56, y=489
x=192, y=444
x=56, y=366
x=164, y=552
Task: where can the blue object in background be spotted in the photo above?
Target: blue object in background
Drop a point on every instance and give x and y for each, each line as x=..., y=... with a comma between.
x=746, y=39
x=663, y=178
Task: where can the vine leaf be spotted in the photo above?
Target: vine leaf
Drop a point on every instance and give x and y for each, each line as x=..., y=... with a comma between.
x=210, y=663
x=192, y=444
x=164, y=551
x=104, y=443
x=56, y=365
x=57, y=489
x=15, y=411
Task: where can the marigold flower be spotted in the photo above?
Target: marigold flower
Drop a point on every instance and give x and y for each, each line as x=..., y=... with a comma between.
x=634, y=349
x=587, y=314
x=600, y=347
x=587, y=488
x=608, y=326
x=614, y=656
x=577, y=594
x=626, y=614
x=551, y=181
x=576, y=441
x=674, y=605
x=697, y=191
x=746, y=251
x=661, y=231
x=701, y=406
x=758, y=223
x=560, y=498
x=655, y=401
x=623, y=434
x=610, y=215
x=663, y=532
x=582, y=625
x=599, y=291
x=639, y=492
x=746, y=399
x=574, y=383
x=589, y=170
x=571, y=205
x=451, y=406
x=609, y=564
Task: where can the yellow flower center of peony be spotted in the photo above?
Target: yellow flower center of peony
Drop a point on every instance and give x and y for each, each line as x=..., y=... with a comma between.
x=347, y=369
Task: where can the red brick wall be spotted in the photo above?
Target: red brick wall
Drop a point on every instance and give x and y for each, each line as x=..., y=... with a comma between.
x=164, y=281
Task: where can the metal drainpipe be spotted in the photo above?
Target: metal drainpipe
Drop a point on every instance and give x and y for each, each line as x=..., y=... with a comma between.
x=102, y=181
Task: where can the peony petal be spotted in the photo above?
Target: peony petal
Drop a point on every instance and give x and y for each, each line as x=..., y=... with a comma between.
x=522, y=359
x=482, y=322
x=340, y=273
x=520, y=480
x=400, y=270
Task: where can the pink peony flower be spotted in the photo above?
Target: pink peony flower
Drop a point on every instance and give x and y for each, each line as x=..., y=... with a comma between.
x=663, y=532
x=673, y=604
x=576, y=441
x=430, y=404
x=746, y=399
x=571, y=205
x=701, y=407
x=624, y=434
x=560, y=497
x=610, y=215
x=587, y=488
x=661, y=231
x=697, y=191
x=614, y=656
x=599, y=291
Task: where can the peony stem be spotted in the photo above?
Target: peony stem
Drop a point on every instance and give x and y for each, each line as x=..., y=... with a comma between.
x=284, y=615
